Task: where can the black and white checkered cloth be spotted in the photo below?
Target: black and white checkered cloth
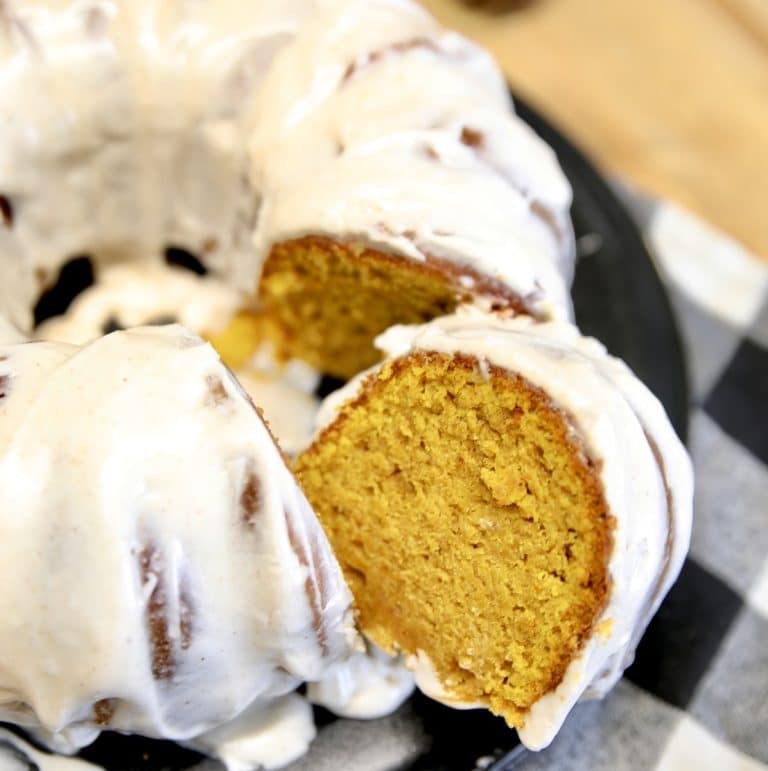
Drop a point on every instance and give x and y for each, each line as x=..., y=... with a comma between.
x=697, y=696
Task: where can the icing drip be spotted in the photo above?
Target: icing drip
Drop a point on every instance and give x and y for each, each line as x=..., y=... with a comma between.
x=269, y=735
x=369, y=684
x=18, y=755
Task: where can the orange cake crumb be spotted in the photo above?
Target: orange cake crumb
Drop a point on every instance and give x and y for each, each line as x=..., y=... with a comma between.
x=331, y=299
x=469, y=524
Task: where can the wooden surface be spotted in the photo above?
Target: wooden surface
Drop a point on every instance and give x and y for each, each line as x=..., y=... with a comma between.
x=671, y=94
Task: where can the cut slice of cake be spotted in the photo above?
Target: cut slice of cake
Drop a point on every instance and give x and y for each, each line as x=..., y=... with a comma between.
x=382, y=207
x=509, y=505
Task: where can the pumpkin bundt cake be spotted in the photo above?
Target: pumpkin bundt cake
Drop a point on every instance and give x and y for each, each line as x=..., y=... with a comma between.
x=509, y=505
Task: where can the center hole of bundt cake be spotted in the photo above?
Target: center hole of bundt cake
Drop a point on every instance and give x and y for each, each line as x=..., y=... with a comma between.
x=468, y=524
x=181, y=258
x=75, y=276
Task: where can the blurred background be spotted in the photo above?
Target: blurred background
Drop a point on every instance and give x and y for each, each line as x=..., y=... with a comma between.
x=670, y=95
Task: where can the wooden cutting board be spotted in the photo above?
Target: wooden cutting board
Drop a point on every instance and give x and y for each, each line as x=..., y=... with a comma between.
x=671, y=94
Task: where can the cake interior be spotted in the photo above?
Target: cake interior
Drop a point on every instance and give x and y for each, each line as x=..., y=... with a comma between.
x=330, y=300
x=247, y=331
x=324, y=301
x=468, y=523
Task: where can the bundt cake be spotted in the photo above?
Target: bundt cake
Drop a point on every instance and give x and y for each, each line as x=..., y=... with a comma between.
x=509, y=505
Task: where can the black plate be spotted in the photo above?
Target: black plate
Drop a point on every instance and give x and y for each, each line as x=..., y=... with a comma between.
x=620, y=300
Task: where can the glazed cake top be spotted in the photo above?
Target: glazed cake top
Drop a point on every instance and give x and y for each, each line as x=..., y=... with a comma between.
x=129, y=127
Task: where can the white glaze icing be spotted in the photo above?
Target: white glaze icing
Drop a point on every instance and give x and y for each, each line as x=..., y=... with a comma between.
x=17, y=755
x=289, y=410
x=140, y=293
x=369, y=684
x=217, y=127
x=9, y=333
x=615, y=415
x=157, y=489
x=138, y=112
x=268, y=735
x=368, y=155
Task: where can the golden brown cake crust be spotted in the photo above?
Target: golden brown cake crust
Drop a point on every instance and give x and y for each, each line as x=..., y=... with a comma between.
x=502, y=581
